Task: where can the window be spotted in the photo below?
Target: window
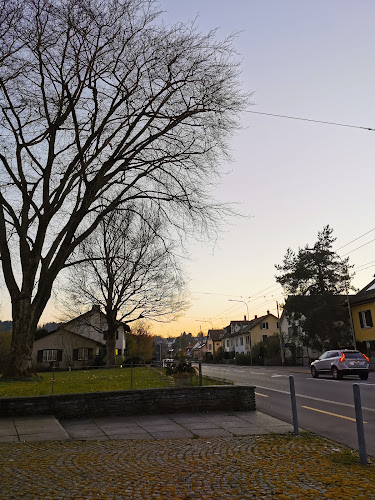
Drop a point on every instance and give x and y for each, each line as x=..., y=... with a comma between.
x=227, y=343
x=83, y=354
x=264, y=338
x=236, y=340
x=241, y=340
x=247, y=339
x=49, y=355
x=118, y=352
x=265, y=325
x=277, y=324
x=365, y=319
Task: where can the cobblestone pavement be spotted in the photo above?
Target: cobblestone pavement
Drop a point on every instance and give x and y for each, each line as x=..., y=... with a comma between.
x=243, y=467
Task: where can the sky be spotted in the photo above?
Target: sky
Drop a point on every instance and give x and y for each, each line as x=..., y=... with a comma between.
x=304, y=59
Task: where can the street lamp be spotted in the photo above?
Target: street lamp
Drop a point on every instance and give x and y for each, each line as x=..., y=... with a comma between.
x=205, y=321
x=248, y=319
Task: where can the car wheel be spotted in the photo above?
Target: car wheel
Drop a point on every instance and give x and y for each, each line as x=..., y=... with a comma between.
x=336, y=374
x=314, y=372
x=363, y=376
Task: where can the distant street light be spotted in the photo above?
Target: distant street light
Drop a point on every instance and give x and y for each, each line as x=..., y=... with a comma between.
x=205, y=321
x=248, y=319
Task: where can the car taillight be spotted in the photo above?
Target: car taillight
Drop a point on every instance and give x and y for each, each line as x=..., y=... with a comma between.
x=342, y=357
x=366, y=358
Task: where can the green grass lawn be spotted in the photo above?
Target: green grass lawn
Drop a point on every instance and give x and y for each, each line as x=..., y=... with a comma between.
x=95, y=380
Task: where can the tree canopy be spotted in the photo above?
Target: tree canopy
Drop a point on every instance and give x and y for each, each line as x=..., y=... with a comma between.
x=317, y=282
x=101, y=105
x=128, y=267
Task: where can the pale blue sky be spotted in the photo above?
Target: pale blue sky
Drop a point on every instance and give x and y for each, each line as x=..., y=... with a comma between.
x=311, y=59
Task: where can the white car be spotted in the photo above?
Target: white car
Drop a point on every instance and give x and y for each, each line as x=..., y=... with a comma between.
x=341, y=362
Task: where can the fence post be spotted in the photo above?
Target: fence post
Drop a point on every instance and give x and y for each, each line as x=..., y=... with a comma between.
x=200, y=373
x=53, y=377
x=131, y=375
x=294, y=405
x=359, y=421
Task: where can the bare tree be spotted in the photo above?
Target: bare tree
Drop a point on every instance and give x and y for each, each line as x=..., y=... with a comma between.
x=128, y=267
x=141, y=342
x=100, y=105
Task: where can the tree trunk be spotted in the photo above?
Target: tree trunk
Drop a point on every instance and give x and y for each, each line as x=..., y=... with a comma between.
x=20, y=363
x=111, y=347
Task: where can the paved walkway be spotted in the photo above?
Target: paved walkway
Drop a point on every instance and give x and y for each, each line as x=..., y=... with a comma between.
x=176, y=426
x=271, y=466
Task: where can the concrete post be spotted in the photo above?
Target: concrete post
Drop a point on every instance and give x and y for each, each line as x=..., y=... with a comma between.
x=359, y=420
x=294, y=405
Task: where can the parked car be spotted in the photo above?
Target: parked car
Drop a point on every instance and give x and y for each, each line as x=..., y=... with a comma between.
x=341, y=362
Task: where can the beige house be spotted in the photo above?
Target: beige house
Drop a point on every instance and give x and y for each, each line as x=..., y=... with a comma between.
x=214, y=341
x=76, y=343
x=241, y=335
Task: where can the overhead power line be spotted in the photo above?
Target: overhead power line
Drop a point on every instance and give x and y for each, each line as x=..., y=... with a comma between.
x=354, y=249
x=310, y=120
x=358, y=238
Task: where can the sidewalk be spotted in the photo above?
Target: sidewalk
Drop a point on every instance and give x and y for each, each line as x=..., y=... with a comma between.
x=145, y=427
x=99, y=460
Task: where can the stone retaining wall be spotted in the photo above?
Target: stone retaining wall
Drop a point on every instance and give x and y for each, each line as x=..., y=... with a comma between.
x=145, y=401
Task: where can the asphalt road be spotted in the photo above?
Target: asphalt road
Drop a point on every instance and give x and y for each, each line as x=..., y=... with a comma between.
x=324, y=406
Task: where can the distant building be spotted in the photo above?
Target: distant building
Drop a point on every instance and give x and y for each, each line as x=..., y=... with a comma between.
x=77, y=342
x=363, y=313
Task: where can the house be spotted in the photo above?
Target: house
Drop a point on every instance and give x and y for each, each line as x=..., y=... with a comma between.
x=76, y=343
x=213, y=343
x=234, y=340
x=301, y=348
x=242, y=335
x=195, y=350
x=362, y=307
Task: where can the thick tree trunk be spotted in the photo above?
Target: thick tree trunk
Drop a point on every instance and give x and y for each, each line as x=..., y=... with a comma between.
x=111, y=347
x=20, y=363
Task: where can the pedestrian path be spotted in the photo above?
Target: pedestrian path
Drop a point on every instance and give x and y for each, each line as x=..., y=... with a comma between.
x=144, y=427
x=266, y=467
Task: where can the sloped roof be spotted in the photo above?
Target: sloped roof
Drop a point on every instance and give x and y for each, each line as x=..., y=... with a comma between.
x=83, y=320
x=215, y=334
x=306, y=299
x=367, y=294
x=248, y=325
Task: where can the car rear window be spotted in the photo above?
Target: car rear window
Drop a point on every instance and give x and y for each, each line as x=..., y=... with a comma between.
x=353, y=355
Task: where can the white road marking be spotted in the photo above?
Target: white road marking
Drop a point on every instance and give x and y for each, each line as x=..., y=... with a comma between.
x=336, y=381
x=314, y=399
x=259, y=394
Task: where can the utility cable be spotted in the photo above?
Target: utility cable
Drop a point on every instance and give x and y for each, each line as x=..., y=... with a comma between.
x=311, y=120
x=359, y=237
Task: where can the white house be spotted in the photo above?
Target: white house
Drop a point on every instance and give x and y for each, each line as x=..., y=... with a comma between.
x=77, y=342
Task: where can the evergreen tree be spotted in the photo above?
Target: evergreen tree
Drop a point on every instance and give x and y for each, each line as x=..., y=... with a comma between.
x=317, y=281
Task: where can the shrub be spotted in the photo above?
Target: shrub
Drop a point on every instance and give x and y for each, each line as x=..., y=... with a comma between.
x=243, y=359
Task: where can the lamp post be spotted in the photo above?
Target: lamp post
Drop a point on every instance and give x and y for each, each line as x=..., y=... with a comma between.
x=248, y=319
x=205, y=321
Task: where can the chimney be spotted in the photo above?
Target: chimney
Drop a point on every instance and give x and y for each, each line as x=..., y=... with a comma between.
x=268, y=311
x=255, y=317
x=96, y=307
x=244, y=318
